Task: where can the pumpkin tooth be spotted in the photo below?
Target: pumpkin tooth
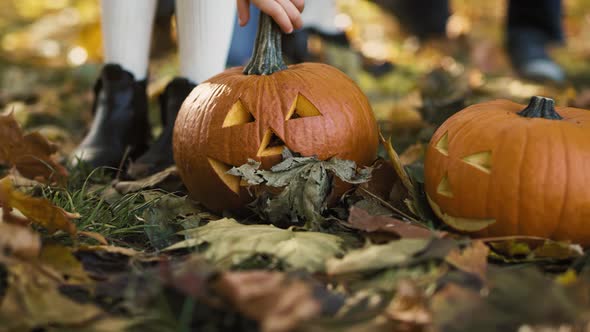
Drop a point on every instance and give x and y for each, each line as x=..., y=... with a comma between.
x=480, y=160
x=443, y=144
x=220, y=168
x=458, y=223
x=271, y=145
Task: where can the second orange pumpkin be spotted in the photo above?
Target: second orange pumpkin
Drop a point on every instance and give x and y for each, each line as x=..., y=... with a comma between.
x=499, y=168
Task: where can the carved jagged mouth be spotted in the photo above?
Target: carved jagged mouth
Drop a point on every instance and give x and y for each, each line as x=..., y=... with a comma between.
x=460, y=223
x=231, y=181
x=271, y=145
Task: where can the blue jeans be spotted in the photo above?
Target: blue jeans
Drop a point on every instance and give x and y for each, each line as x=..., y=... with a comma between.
x=243, y=39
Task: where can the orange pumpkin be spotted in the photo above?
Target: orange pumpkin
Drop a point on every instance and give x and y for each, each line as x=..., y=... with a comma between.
x=310, y=108
x=499, y=168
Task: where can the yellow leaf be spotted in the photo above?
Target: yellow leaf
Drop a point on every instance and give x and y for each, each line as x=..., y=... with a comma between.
x=397, y=165
x=567, y=278
x=33, y=301
x=37, y=210
x=63, y=261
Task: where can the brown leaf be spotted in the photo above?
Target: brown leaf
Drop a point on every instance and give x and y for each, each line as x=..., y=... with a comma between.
x=278, y=302
x=409, y=305
x=449, y=304
x=19, y=241
x=111, y=249
x=96, y=236
x=412, y=154
x=167, y=179
x=362, y=220
x=31, y=154
x=382, y=179
x=39, y=211
x=474, y=259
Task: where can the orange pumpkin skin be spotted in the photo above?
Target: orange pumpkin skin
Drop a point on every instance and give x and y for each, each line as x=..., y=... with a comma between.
x=334, y=120
x=530, y=175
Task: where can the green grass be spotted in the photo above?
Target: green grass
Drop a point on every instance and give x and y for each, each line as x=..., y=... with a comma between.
x=101, y=208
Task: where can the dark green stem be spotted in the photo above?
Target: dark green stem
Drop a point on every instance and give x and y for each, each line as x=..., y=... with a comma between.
x=540, y=107
x=268, y=54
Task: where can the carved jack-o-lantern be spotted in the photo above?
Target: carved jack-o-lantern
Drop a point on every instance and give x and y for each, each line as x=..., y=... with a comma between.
x=498, y=170
x=312, y=109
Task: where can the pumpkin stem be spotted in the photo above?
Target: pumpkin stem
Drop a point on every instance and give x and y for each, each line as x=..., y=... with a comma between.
x=268, y=54
x=540, y=107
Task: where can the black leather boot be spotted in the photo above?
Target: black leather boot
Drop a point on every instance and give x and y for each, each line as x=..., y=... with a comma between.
x=120, y=127
x=159, y=156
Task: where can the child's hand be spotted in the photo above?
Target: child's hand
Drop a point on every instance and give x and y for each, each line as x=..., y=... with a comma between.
x=287, y=13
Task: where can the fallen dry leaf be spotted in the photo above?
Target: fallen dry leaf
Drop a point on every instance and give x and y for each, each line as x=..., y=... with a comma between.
x=94, y=235
x=276, y=301
x=33, y=301
x=530, y=248
x=19, y=241
x=111, y=249
x=37, y=210
x=62, y=260
x=231, y=242
x=167, y=179
x=397, y=164
x=31, y=154
x=362, y=220
x=409, y=305
x=375, y=257
x=383, y=179
x=473, y=259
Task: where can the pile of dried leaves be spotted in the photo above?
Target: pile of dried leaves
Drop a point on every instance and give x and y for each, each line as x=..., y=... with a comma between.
x=374, y=261
x=81, y=252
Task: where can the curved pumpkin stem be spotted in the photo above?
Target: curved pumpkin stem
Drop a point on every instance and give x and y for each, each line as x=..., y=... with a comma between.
x=268, y=54
x=540, y=107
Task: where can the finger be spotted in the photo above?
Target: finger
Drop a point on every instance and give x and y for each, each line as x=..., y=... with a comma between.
x=276, y=11
x=299, y=4
x=293, y=13
x=243, y=12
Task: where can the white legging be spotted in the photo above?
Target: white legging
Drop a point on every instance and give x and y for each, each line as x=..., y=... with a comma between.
x=320, y=14
x=204, y=35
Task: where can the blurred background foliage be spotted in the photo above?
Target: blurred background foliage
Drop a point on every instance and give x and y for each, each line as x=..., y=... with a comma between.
x=50, y=54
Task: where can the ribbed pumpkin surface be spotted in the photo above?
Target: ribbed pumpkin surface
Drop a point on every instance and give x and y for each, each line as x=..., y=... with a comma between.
x=524, y=176
x=312, y=109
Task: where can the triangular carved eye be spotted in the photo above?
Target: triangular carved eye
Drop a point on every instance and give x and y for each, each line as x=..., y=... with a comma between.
x=231, y=181
x=481, y=161
x=237, y=115
x=444, y=187
x=443, y=144
x=302, y=108
x=271, y=145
